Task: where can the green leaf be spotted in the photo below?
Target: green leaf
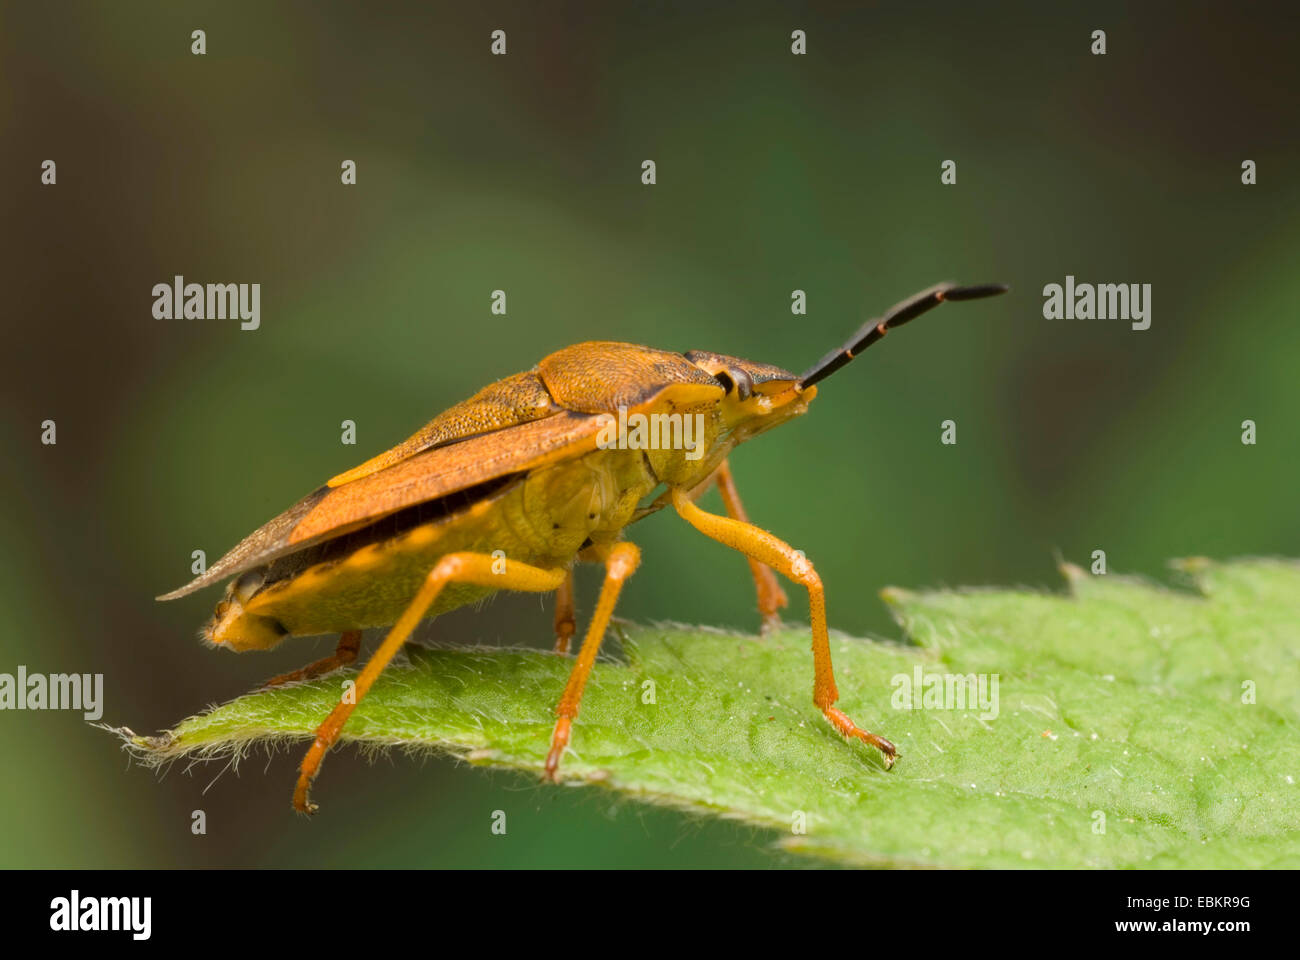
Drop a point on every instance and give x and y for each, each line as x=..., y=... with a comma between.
x=1136, y=726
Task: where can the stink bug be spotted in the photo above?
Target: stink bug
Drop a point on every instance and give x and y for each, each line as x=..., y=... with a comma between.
x=507, y=490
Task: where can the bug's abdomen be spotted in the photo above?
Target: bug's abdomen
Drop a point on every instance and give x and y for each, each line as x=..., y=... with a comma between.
x=542, y=519
x=372, y=585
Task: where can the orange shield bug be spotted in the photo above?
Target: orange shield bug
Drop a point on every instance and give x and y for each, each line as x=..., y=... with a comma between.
x=507, y=490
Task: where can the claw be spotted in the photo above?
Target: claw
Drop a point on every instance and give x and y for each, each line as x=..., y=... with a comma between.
x=841, y=722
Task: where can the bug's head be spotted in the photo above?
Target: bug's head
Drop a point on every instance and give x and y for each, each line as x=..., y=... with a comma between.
x=759, y=396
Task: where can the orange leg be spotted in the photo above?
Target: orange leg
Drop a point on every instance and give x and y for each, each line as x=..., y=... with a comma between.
x=621, y=561
x=347, y=650
x=475, y=568
x=760, y=545
x=566, y=624
x=771, y=597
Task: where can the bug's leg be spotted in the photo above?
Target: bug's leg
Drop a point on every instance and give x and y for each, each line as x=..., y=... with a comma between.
x=476, y=568
x=621, y=561
x=762, y=546
x=566, y=624
x=771, y=597
x=347, y=650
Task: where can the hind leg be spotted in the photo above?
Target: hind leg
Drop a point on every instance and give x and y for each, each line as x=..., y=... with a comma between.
x=346, y=652
x=480, y=569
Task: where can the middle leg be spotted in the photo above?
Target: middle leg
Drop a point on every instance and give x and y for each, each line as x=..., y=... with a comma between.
x=348, y=647
x=771, y=598
x=566, y=617
x=621, y=560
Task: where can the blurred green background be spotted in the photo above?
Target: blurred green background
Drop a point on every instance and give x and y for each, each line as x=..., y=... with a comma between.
x=522, y=172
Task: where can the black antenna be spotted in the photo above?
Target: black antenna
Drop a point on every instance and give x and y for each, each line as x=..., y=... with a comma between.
x=899, y=314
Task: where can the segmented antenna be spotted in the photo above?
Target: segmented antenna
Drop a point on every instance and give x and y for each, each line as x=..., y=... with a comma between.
x=899, y=314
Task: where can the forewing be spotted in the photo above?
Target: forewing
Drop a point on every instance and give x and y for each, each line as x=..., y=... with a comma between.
x=332, y=511
x=436, y=473
x=507, y=403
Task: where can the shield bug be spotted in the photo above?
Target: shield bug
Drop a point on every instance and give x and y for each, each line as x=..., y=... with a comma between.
x=508, y=489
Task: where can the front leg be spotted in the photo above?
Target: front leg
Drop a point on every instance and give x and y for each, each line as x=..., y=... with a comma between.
x=758, y=544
